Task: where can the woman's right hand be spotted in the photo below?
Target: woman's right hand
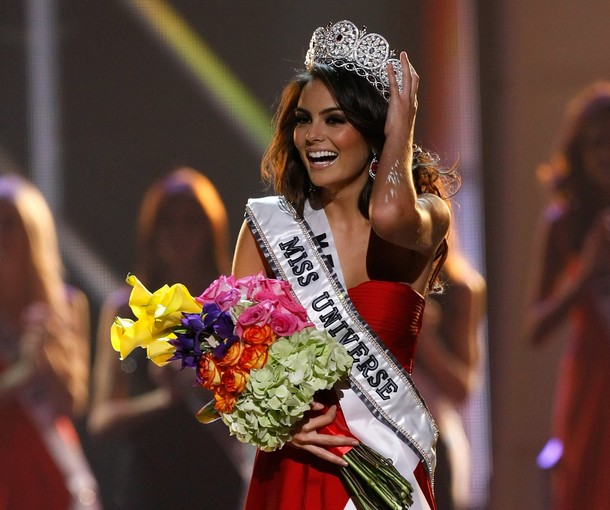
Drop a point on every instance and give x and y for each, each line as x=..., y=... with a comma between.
x=402, y=107
x=309, y=439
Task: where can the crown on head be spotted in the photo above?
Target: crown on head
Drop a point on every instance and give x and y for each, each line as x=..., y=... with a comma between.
x=343, y=45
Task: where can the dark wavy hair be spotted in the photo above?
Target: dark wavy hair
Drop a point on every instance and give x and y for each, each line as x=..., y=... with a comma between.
x=566, y=174
x=366, y=110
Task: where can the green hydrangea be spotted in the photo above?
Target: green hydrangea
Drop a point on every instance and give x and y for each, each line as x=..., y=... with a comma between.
x=278, y=394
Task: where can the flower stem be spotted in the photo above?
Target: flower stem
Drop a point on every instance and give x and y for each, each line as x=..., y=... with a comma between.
x=357, y=492
x=373, y=480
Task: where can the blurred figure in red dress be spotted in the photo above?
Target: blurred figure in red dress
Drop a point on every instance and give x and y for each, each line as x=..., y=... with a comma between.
x=44, y=361
x=573, y=284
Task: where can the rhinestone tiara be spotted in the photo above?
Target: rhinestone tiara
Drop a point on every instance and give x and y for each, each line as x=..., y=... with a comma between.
x=343, y=45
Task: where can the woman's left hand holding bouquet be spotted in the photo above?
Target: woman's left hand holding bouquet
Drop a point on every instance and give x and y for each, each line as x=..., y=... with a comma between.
x=310, y=437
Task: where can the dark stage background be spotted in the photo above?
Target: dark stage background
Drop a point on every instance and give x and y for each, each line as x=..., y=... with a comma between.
x=130, y=109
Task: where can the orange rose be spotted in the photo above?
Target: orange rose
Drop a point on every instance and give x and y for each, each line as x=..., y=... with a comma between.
x=255, y=335
x=225, y=401
x=253, y=356
x=232, y=355
x=234, y=379
x=208, y=372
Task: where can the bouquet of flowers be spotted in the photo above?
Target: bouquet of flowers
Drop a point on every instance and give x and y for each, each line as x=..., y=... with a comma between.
x=250, y=343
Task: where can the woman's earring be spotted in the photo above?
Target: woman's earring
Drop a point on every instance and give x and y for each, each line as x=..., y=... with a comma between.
x=373, y=166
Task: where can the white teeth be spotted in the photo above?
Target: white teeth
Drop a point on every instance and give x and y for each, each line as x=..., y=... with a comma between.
x=322, y=154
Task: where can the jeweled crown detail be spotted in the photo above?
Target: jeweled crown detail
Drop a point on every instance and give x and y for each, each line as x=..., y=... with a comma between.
x=343, y=45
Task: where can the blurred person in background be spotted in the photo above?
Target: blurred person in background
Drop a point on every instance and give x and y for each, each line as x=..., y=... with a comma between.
x=165, y=458
x=448, y=369
x=44, y=361
x=572, y=286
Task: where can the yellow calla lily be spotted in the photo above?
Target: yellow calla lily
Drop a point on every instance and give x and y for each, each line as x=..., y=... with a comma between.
x=160, y=350
x=158, y=314
x=119, y=333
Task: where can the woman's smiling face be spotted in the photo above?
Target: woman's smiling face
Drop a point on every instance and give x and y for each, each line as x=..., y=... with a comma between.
x=333, y=151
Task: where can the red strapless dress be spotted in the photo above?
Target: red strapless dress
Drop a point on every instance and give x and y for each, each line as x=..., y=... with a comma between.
x=29, y=477
x=291, y=479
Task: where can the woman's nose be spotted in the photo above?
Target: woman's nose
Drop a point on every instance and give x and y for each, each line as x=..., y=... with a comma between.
x=314, y=133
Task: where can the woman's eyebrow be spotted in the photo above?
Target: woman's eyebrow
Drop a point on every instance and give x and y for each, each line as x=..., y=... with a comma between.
x=323, y=112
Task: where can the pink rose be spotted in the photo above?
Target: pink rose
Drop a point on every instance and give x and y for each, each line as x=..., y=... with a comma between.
x=265, y=295
x=249, y=285
x=221, y=292
x=284, y=324
x=256, y=315
x=271, y=286
x=282, y=290
x=289, y=304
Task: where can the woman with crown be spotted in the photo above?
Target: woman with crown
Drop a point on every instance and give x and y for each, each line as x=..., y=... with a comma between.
x=359, y=229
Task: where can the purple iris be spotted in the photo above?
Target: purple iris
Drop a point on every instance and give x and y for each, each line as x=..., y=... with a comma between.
x=188, y=350
x=194, y=322
x=188, y=343
x=223, y=346
x=211, y=313
x=222, y=326
x=212, y=322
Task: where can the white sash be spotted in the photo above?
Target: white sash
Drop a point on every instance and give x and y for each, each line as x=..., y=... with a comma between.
x=377, y=378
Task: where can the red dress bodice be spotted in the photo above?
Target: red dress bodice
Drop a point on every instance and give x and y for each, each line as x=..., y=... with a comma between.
x=394, y=311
